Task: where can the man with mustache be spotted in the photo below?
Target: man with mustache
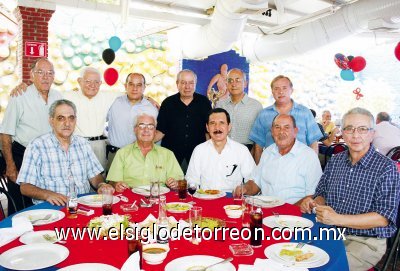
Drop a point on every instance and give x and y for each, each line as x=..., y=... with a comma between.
x=288, y=169
x=220, y=162
x=57, y=160
x=25, y=119
x=282, y=89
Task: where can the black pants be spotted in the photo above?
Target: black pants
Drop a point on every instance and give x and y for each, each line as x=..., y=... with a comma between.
x=21, y=202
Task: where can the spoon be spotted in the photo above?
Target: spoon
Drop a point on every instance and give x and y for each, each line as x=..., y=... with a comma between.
x=207, y=267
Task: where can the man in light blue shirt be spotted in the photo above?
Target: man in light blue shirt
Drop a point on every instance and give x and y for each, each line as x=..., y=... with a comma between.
x=288, y=169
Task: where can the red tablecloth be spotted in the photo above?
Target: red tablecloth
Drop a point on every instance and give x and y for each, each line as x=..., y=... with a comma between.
x=116, y=252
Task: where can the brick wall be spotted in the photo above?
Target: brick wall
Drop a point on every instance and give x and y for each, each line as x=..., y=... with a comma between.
x=33, y=26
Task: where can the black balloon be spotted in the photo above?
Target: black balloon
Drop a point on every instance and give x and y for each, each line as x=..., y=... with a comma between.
x=108, y=56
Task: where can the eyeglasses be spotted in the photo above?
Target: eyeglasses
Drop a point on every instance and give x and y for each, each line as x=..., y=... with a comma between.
x=361, y=130
x=191, y=83
x=90, y=82
x=149, y=126
x=237, y=80
x=132, y=85
x=43, y=73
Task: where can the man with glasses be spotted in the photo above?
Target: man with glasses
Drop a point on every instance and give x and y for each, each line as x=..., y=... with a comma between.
x=123, y=111
x=359, y=191
x=143, y=161
x=182, y=119
x=26, y=118
x=242, y=109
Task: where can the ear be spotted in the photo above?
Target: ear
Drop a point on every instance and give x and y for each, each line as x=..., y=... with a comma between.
x=207, y=128
x=229, y=127
x=296, y=130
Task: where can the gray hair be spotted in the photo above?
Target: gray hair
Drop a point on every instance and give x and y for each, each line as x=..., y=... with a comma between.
x=52, y=110
x=135, y=118
x=383, y=116
x=360, y=111
x=239, y=70
x=326, y=111
x=178, y=77
x=36, y=61
x=89, y=69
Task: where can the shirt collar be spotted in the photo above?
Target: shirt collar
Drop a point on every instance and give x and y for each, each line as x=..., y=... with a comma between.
x=57, y=142
x=227, y=145
x=136, y=146
x=366, y=160
x=294, y=151
x=244, y=99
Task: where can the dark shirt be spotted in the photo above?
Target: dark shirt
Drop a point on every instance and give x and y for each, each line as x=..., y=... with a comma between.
x=184, y=126
x=325, y=135
x=371, y=185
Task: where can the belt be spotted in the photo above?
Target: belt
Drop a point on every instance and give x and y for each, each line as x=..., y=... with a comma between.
x=94, y=138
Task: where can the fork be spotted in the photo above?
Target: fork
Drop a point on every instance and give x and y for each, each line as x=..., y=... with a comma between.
x=49, y=238
x=302, y=244
x=47, y=217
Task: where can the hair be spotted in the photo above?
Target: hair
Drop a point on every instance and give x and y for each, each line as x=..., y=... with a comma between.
x=36, y=61
x=239, y=70
x=52, y=110
x=219, y=110
x=135, y=118
x=360, y=111
x=89, y=69
x=383, y=116
x=291, y=117
x=178, y=76
x=136, y=73
x=326, y=111
x=281, y=77
x=313, y=112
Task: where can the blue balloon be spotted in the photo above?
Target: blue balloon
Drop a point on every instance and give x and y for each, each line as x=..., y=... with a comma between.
x=347, y=75
x=115, y=43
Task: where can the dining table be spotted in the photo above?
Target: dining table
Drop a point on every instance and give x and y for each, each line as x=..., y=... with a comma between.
x=115, y=252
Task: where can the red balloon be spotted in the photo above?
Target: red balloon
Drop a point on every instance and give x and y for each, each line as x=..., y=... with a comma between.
x=397, y=51
x=357, y=64
x=110, y=76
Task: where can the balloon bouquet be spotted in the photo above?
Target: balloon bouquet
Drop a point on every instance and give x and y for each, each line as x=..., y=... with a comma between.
x=349, y=65
x=111, y=74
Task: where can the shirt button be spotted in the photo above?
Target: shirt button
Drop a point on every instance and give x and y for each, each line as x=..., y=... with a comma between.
x=343, y=200
x=187, y=116
x=186, y=136
x=187, y=125
x=351, y=170
x=347, y=185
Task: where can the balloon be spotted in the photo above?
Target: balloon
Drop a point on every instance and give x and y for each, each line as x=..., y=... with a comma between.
x=108, y=56
x=342, y=61
x=397, y=51
x=347, y=75
x=110, y=76
x=115, y=43
x=357, y=64
x=350, y=57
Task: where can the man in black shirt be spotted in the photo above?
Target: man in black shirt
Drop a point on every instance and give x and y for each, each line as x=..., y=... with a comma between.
x=181, y=122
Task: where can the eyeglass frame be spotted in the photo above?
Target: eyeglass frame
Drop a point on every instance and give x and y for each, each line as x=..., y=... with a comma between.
x=362, y=130
x=41, y=73
x=150, y=126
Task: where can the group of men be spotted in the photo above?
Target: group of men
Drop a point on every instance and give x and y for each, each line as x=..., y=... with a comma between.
x=359, y=188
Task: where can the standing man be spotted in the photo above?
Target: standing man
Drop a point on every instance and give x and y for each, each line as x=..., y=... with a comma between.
x=242, y=109
x=387, y=136
x=182, y=119
x=123, y=111
x=309, y=133
x=26, y=118
x=220, y=162
x=360, y=192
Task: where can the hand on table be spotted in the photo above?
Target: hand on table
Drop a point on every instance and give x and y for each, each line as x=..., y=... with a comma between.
x=307, y=205
x=56, y=198
x=121, y=186
x=104, y=187
x=237, y=191
x=171, y=183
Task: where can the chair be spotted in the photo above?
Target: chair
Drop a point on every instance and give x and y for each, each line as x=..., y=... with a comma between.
x=334, y=149
x=394, y=154
x=10, y=202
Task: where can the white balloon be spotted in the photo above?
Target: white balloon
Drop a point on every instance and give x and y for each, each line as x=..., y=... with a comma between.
x=75, y=42
x=68, y=52
x=88, y=60
x=77, y=62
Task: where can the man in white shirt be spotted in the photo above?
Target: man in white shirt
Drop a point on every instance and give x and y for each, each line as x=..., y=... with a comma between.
x=288, y=169
x=220, y=162
x=387, y=136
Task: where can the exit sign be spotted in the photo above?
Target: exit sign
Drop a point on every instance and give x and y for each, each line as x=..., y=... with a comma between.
x=35, y=49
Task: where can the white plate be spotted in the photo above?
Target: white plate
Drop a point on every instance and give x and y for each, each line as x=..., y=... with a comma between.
x=89, y=267
x=41, y=213
x=183, y=263
x=320, y=257
x=287, y=221
x=189, y=206
x=37, y=237
x=266, y=201
x=95, y=200
x=35, y=256
x=208, y=196
x=144, y=190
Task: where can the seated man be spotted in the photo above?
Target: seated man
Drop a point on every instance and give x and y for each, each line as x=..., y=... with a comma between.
x=359, y=191
x=219, y=163
x=387, y=135
x=51, y=159
x=288, y=169
x=143, y=161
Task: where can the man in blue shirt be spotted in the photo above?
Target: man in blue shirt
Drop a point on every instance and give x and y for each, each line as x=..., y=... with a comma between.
x=309, y=133
x=359, y=191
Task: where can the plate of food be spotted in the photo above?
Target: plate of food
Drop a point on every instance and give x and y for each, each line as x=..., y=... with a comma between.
x=307, y=256
x=211, y=223
x=265, y=201
x=287, y=221
x=144, y=190
x=89, y=267
x=178, y=207
x=105, y=222
x=209, y=194
x=42, y=216
x=95, y=200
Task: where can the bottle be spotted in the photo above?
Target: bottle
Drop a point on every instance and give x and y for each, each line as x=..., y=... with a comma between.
x=162, y=223
x=72, y=204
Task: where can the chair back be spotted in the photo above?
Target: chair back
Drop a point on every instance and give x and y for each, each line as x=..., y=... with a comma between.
x=334, y=149
x=394, y=154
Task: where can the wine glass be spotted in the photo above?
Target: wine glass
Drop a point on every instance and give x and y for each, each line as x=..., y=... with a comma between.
x=192, y=187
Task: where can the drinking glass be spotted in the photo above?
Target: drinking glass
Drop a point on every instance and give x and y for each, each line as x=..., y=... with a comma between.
x=182, y=189
x=247, y=204
x=195, y=216
x=256, y=217
x=154, y=191
x=107, y=200
x=192, y=187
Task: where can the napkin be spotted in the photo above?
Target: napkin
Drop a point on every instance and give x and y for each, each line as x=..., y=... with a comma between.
x=20, y=225
x=132, y=264
x=269, y=265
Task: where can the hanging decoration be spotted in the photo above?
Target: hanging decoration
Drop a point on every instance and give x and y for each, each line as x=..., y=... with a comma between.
x=110, y=76
x=358, y=94
x=108, y=56
x=397, y=51
x=349, y=65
